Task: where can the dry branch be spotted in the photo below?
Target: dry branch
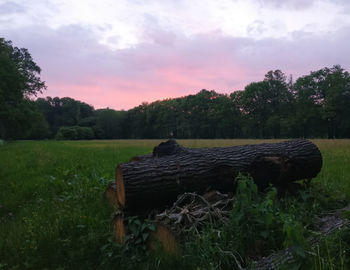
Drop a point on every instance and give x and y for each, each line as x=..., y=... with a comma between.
x=191, y=211
x=188, y=214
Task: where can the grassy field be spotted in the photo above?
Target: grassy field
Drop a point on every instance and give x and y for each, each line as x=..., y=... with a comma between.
x=53, y=214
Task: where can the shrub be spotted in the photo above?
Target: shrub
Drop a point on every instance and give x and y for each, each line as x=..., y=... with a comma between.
x=75, y=133
x=84, y=133
x=66, y=133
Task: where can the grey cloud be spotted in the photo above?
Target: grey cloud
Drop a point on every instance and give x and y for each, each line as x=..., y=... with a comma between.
x=295, y=4
x=8, y=8
x=65, y=53
x=154, y=33
x=302, y=4
x=301, y=54
x=256, y=28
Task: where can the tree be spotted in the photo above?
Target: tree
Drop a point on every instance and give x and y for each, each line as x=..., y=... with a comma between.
x=66, y=112
x=254, y=107
x=281, y=102
x=25, y=121
x=266, y=104
x=110, y=122
x=323, y=100
x=19, y=80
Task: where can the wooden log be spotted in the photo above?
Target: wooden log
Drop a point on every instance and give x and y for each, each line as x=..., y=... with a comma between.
x=163, y=238
x=156, y=182
x=119, y=228
x=111, y=195
x=118, y=219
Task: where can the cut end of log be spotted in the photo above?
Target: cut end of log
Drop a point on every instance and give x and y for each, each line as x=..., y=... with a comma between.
x=119, y=229
x=165, y=238
x=111, y=195
x=119, y=181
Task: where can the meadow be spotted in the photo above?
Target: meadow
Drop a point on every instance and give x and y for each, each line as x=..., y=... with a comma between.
x=53, y=214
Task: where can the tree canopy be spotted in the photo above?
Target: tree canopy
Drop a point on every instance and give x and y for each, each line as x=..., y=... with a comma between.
x=19, y=80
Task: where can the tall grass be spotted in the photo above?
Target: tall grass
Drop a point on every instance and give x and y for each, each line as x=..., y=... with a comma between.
x=53, y=214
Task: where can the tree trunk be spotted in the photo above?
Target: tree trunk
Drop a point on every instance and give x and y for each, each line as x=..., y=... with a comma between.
x=155, y=182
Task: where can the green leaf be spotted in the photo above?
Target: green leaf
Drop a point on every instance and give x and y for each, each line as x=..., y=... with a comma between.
x=145, y=236
x=144, y=226
x=138, y=222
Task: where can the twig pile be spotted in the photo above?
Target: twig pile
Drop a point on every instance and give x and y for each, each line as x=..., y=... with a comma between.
x=191, y=211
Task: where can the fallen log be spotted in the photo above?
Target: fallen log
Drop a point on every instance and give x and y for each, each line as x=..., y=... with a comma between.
x=111, y=195
x=155, y=182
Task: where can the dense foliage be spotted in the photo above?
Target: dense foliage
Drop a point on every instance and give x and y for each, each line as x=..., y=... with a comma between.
x=19, y=79
x=315, y=105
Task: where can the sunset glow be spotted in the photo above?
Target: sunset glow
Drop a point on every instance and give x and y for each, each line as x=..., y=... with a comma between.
x=119, y=54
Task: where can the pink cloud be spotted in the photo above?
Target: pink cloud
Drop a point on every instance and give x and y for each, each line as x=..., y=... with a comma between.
x=74, y=64
x=124, y=79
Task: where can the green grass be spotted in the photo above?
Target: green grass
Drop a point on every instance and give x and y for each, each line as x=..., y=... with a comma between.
x=53, y=214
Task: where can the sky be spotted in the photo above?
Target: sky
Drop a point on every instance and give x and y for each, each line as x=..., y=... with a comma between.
x=120, y=53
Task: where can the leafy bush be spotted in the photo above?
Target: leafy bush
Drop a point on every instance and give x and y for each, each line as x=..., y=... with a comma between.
x=84, y=133
x=66, y=133
x=260, y=223
x=132, y=254
x=75, y=133
x=99, y=132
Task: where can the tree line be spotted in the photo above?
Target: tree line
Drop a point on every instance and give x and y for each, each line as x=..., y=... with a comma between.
x=315, y=105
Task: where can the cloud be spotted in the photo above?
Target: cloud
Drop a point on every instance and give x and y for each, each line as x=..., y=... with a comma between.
x=169, y=64
x=10, y=8
x=124, y=23
x=296, y=4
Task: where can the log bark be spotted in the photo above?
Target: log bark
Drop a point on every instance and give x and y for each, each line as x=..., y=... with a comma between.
x=172, y=170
